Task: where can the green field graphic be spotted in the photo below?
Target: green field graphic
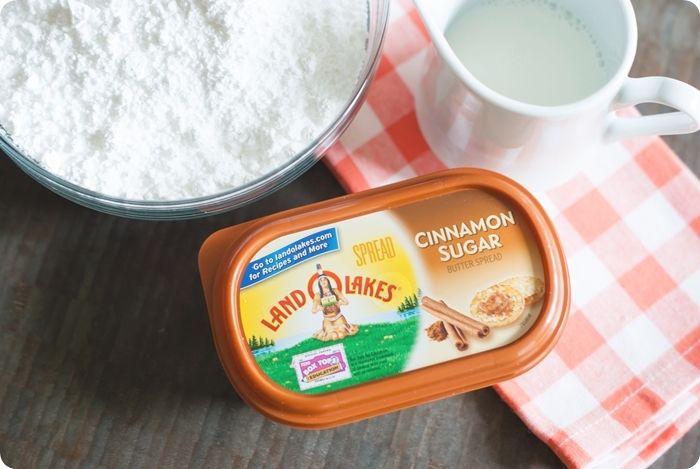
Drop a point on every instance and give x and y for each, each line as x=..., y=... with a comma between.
x=375, y=352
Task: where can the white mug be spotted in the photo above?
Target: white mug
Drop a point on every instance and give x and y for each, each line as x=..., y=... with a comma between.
x=468, y=124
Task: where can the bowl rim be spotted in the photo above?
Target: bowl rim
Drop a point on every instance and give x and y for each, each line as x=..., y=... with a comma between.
x=272, y=180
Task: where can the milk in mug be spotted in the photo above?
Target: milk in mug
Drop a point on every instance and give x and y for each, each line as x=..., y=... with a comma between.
x=533, y=51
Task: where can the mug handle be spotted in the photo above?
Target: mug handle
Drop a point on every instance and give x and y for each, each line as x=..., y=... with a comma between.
x=661, y=90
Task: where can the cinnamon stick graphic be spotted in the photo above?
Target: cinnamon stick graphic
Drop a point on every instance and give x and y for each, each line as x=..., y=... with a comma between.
x=461, y=332
x=441, y=311
x=458, y=341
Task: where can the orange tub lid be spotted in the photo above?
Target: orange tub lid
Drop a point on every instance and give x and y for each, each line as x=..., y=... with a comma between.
x=385, y=299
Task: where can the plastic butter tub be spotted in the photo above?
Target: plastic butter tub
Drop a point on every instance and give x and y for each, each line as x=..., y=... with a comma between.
x=386, y=299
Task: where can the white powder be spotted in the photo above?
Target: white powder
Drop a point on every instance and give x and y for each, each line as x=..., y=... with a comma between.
x=173, y=99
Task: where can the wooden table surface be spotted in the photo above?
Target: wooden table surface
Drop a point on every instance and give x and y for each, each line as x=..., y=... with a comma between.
x=106, y=358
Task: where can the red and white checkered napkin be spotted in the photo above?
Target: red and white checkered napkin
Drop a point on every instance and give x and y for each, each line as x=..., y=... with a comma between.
x=623, y=384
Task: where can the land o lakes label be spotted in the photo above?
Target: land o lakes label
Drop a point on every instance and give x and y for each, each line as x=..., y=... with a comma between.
x=392, y=291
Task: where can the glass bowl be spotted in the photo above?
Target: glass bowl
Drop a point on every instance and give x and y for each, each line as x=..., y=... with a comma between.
x=237, y=196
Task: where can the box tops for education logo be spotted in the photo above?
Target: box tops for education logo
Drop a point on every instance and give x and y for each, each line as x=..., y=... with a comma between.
x=322, y=366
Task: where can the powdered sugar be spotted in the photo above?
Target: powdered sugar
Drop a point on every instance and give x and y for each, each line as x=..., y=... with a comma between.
x=173, y=99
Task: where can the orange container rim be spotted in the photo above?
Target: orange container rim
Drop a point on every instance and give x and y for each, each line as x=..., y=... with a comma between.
x=236, y=247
